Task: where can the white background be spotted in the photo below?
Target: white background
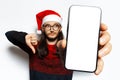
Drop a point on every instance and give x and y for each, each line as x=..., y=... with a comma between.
x=20, y=15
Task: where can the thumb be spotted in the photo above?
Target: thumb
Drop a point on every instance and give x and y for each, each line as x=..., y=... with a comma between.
x=100, y=65
x=33, y=49
x=31, y=46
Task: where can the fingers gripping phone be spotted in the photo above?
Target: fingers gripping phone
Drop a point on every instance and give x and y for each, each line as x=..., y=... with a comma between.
x=82, y=38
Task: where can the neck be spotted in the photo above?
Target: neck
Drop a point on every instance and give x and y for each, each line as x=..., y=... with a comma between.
x=51, y=42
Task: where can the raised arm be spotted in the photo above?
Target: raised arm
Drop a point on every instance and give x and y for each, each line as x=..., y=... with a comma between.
x=18, y=39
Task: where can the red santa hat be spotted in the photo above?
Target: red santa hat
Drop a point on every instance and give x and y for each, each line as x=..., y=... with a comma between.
x=47, y=15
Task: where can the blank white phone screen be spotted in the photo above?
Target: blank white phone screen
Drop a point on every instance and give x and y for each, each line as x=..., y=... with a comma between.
x=82, y=38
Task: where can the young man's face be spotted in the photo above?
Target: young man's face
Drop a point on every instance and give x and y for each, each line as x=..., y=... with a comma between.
x=51, y=29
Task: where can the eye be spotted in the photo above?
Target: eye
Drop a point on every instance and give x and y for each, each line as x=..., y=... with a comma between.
x=57, y=25
x=47, y=26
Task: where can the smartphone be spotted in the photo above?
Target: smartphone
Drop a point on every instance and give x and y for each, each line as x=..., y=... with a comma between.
x=82, y=38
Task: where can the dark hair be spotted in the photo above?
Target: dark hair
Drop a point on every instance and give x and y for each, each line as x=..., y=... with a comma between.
x=42, y=49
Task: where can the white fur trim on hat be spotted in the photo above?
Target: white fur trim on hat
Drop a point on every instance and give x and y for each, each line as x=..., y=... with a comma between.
x=52, y=18
x=39, y=32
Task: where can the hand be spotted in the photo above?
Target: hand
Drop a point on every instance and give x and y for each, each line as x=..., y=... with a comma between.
x=31, y=41
x=105, y=47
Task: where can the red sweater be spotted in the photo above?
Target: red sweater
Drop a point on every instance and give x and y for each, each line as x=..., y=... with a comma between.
x=51, y=64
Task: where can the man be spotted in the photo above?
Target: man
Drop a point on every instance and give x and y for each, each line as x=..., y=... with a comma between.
x=47, y=54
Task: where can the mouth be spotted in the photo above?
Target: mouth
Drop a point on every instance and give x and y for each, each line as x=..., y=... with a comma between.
x=51, y=37
x=52, y=34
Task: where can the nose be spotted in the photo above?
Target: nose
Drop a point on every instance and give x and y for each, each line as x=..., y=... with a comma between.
x=51, y=29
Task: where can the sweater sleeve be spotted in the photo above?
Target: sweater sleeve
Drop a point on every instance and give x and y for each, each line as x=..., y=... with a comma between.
x=18, y=39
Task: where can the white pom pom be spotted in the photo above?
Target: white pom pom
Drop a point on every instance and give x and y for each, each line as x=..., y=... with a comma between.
x=39, y=32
